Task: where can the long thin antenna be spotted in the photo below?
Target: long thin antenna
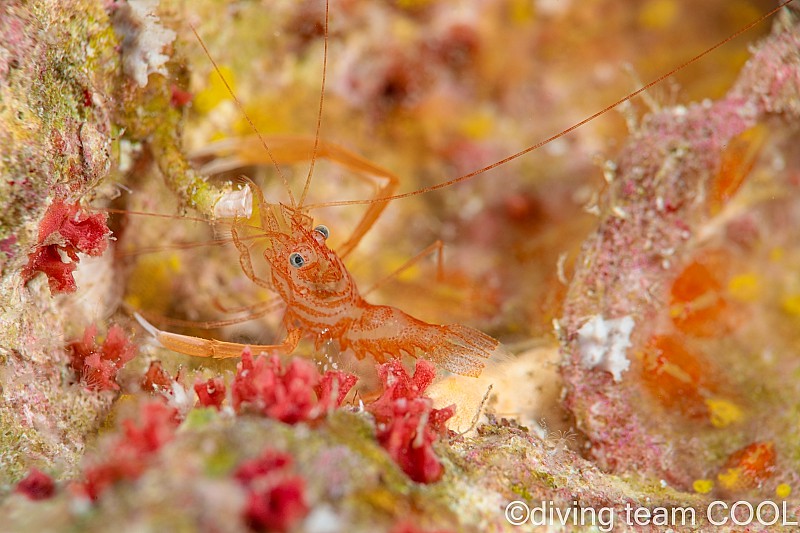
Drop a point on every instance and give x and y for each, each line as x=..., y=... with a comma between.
x=246, y=116
x=538, y=145
x=319, y=111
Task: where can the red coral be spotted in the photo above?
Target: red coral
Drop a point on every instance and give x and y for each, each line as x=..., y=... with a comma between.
x=407, y=422
x=65, y=228
x=275, y=497
x=211, y=393
x=37, y=485
x=157, y=427
x=334, y=383
x=295, y=394
x=156, y=379
x=270, y=460
x=47, y=260
x=97, y=366
x=131, y=452
x=179, y=98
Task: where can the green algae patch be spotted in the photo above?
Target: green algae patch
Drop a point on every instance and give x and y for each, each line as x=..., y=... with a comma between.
x=200, y=417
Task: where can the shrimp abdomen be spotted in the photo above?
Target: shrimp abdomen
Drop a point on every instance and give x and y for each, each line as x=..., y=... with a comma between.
x=382, y=331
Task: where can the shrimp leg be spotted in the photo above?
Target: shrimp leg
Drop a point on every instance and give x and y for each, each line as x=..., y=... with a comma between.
x=235, y=153
x=257, y=310
x=199, y=347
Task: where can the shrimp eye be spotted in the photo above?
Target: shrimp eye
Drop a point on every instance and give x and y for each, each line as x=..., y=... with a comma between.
x=324, y=231
x=296, y=260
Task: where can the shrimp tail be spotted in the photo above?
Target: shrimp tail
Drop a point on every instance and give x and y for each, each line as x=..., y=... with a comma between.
x=464, y=350
x=383, y=331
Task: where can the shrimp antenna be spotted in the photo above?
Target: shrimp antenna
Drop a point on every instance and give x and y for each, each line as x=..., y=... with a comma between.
x=319, y=111
x=575, y=126
x=246, y=116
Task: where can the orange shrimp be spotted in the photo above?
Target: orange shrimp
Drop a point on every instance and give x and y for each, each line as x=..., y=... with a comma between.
x=323, y=302
x=321, y=298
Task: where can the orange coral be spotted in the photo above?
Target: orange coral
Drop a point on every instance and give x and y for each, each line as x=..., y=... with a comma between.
x=697, y=305
x=748, y=467
x=675, y=376
x=738, y=159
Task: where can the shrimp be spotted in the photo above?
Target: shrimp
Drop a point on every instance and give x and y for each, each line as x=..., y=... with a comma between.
x=321, y=298
x=323, y=303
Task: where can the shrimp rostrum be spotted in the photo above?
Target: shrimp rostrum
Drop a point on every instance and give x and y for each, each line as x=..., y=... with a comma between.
x=322, y=301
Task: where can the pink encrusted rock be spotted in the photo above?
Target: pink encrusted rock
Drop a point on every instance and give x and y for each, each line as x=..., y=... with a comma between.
x=655, y=204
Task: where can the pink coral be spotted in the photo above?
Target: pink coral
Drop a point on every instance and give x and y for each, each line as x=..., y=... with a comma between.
x=37, y=485
x=275, y=497
x=97, y=366
x=211, y=393
x=295, y=394
x=131, y=452
x=407, y=422
x=65, y=229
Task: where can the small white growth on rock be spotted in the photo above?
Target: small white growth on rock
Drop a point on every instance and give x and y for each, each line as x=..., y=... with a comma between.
x=143, y=39
x=235, y=204
x=602, y=344
x=180, y=399
x=609, y=171
x=323, y=519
